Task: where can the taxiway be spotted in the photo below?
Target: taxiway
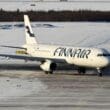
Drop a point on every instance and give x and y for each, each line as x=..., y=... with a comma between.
x=24, y=89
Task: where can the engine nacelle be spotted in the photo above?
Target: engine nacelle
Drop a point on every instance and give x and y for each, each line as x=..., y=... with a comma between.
x=48, y=66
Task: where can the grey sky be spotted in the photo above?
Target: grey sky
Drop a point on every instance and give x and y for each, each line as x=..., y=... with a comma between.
x=51, y=0
x=19, y=4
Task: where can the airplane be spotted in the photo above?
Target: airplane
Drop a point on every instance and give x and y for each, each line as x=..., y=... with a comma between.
x=50, y=56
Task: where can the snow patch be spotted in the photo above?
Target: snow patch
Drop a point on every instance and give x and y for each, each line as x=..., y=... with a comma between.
x=18, y=87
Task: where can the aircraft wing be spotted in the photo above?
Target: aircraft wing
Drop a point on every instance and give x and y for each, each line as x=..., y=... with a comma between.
x=12, y=47
x=31, y=58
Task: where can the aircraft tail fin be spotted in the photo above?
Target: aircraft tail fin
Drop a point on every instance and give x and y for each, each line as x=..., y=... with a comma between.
x=30, y=37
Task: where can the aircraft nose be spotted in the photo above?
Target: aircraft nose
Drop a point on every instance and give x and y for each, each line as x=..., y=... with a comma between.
x=106, y=62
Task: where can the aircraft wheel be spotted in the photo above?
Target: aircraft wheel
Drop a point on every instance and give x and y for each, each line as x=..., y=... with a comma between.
x=46, y=72
x=99, y=72
x=51, y=72
x=81, y=70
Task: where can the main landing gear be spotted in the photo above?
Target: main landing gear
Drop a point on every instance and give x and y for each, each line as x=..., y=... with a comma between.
x=81, y=70
x=48, y=72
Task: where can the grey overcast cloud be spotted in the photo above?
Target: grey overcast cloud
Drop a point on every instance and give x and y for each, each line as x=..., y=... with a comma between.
x=24, y=5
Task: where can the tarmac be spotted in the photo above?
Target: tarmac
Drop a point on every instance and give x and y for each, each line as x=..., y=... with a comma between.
x=26, y=87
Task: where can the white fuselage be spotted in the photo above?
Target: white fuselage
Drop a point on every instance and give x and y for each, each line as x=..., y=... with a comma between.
x=80, y=56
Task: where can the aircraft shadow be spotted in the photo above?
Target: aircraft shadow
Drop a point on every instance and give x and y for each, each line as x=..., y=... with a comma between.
x=65, y=69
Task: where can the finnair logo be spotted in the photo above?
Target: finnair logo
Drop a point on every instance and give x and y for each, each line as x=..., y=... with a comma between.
x=70, y=52
x=29, y=32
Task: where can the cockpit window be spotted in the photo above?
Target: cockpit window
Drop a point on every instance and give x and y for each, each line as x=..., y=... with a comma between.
x=102, y=54
x=99, y=54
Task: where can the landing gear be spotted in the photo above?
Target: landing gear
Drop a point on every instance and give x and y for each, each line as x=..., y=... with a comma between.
x=48, y=72
x=81, y=70
x=99, y=72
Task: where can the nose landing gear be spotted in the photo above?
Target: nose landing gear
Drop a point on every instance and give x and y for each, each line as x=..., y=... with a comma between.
x=99, y=72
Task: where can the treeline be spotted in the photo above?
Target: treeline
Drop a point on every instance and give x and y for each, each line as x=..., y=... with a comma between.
x=81, y=15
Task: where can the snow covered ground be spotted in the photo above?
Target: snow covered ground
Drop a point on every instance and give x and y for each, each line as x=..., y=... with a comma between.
x=93, y=34
x=14, y=87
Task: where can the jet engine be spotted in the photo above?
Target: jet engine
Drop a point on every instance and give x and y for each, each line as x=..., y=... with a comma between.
x=48, y=66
